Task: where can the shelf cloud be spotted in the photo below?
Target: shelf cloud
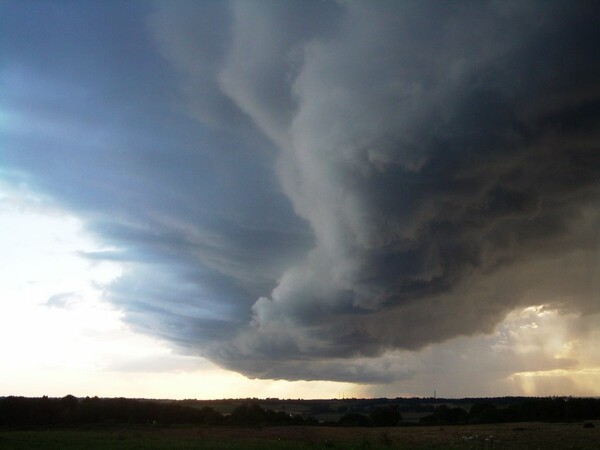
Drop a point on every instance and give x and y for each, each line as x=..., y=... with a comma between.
x=337, y=185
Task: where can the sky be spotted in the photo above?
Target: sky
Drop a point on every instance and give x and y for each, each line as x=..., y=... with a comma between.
x=224, y=199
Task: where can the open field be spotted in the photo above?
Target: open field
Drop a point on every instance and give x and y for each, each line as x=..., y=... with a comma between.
x=501, y=436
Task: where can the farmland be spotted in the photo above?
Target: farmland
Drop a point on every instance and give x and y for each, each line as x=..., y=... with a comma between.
x=70, y=423
x=497, y=436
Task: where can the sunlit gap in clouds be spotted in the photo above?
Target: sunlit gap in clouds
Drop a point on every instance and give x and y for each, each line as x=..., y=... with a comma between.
x=536, y=350
x=569, y=338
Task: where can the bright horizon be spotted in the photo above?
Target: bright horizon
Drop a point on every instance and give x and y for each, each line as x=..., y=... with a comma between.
x=248, y=199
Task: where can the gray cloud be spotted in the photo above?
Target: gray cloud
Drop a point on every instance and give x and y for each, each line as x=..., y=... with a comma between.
x=431, y=147
x=307, y=190
x=64, y=300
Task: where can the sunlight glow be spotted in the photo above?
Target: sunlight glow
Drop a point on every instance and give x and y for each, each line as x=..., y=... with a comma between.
x=58, y=337
x=555, y=336
x=577, y=382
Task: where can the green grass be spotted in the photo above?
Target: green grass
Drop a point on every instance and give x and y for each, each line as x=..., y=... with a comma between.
x=501, y=436
x=128, y=440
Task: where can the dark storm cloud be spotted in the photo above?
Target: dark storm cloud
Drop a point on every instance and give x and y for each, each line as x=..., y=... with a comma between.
x=433, y=148
x=441, y=160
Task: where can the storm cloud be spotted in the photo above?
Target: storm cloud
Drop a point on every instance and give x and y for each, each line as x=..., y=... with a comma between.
x=336, y=185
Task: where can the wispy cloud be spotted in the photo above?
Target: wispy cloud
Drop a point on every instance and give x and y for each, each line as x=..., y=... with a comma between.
x=63, y=300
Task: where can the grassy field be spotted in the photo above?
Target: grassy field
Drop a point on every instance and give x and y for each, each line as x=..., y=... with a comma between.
x=503, y=436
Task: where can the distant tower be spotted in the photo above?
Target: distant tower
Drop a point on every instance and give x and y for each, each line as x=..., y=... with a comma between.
x=434, y=394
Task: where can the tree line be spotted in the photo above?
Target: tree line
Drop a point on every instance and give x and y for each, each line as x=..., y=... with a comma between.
x=529, y=410
x=71, y=411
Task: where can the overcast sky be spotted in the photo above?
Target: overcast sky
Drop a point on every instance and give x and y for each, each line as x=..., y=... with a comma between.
x=299, y=199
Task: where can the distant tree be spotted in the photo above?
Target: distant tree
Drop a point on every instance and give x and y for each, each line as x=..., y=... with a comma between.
x=353, y=419
x=68, y=406
x=385, y=416
x=444, y=415
x=484, y=412
x=320, y=408
x=248, y=415
x=209, y=416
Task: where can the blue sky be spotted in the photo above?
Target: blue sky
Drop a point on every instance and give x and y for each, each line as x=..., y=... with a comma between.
x=299, y=198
